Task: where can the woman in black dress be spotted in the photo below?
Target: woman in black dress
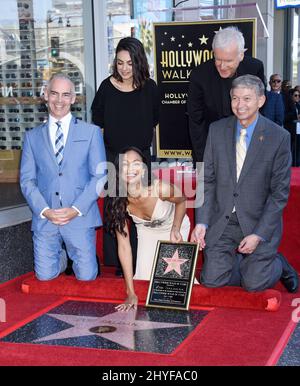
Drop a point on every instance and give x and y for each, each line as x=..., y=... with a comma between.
x=126, y=107
x=292, y=117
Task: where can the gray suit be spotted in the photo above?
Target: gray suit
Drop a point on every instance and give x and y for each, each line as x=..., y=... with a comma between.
x=258, y=197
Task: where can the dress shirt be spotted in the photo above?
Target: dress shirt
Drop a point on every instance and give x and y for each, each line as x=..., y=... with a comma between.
x=250, y=130
x=65, y=125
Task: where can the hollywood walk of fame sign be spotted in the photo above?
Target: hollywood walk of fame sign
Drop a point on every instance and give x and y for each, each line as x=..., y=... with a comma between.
x=172, y=275
x=178, y=48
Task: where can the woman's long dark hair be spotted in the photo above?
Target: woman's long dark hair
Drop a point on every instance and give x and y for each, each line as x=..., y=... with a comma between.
x=140, y=66
x=116, y=204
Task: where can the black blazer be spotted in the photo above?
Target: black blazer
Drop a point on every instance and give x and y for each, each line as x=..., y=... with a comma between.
x=209, y=99
x=291, y=117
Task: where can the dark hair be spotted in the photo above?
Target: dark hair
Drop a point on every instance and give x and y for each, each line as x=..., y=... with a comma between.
x=249, y=81
x=116, y=205
x=140, y=66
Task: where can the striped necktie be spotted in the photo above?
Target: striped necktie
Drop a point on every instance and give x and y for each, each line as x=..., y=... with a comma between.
x=59, y=143
x=241, y=150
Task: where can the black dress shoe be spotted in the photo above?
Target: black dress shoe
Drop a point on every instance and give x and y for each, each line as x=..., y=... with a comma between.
x=119, y=272
x=69, y=270
x=289, y=277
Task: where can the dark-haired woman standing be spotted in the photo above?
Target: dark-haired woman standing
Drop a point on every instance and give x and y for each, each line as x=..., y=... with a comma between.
x=126, y=106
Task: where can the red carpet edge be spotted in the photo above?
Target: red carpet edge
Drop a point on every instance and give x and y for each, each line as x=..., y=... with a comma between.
x=113, y=289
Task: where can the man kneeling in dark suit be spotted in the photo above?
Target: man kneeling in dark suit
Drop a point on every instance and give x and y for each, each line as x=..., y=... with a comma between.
x=247, y=163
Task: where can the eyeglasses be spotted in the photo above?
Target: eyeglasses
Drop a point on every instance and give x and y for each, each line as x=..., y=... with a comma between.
x=10, y=76
x=2, y=129
x=296, y=95
x=3, y=138
x=16, y=138
x=24, y=5
x=26, y=66
x=276, y=81
x=28, y=84
x=2, y=111
x=28, y=119
x=42, y=109
x=11, y=66
x=27, y=110
x=27, y=75
x=16, y=147
x=14, y=110
x=23, y=27
x=27, y=93
x=14, y=120
x=73, y=73
x=3, y=147
x=14, y=128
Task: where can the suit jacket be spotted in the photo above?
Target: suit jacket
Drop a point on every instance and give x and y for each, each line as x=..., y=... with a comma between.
x=274, y=107
x=263, y=187
x=291, y=117
x=77, y=181
x=209, y=99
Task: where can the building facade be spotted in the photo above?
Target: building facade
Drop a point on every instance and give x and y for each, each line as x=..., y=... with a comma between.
x=39, y=38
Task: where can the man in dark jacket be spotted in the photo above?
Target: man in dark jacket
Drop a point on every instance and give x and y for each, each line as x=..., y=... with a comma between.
x=210, y=84
x=274, y=107
x=246, y=187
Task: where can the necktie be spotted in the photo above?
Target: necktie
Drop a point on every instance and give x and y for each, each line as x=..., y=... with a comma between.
x=241, y=150
x=59, y=143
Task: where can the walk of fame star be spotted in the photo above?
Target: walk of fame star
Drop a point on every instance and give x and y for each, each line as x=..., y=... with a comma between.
x=203, y=39
x=174, y=263
x=220, y=29
x=118, y=327
x=97, y=325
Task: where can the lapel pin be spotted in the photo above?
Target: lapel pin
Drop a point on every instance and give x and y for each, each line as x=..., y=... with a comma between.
x=261, y=138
